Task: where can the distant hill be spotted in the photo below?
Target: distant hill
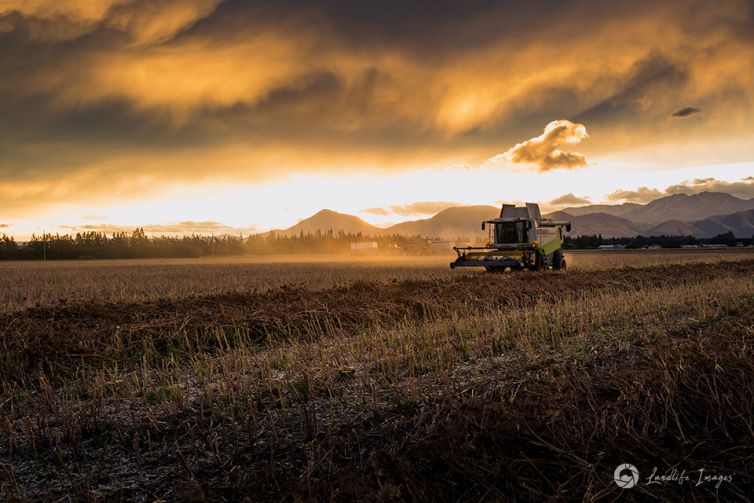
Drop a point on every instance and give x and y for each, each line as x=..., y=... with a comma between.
x=688, y=208
x=672, y=228
x=325, y=220
x=702, y=215
x=599, y=223
x=741, y=224
x=617, y=210
x=451, y=223
x=680, y=207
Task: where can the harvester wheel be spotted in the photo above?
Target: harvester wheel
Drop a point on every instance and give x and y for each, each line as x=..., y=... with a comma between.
x=558, y=261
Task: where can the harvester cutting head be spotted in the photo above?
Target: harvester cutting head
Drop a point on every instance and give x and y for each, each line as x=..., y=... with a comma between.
x=519, y=239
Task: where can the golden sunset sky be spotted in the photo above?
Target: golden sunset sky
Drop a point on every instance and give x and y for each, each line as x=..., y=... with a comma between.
x=241, y=116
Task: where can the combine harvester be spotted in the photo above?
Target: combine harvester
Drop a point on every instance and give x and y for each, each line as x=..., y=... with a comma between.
x=520, y=239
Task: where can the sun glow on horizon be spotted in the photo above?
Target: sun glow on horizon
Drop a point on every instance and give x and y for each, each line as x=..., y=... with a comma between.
x=250, y=208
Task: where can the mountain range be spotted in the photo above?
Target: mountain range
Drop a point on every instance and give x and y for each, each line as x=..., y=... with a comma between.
x=681, y=207
x=702, y=215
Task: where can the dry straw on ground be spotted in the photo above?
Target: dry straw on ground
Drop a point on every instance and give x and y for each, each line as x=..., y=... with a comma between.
x=527, y=386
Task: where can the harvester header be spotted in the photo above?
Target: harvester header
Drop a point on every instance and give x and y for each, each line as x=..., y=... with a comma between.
x=519, y=239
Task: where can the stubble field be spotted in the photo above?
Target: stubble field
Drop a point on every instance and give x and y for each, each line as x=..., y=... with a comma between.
x=35, y=284
x=375, y=380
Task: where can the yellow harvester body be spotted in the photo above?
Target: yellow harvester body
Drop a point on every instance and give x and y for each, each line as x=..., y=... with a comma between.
x=519, y=239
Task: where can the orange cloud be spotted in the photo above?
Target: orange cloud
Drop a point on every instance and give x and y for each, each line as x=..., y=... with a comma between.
x=569, y=200
x=152, y=22
x=86, y=10
x=146, y=22
x=377, y=211
x=544, y=150
x=743, y=188
x=181, y=228
x=417, y=208
x=640, y=195
x=136, y=95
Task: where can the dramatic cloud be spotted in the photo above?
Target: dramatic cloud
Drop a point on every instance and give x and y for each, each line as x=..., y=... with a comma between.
x=686, y=111
x=544, y=150
x=115, y=99
x=641, y=195
x=418, y=208
x=4, y=226
x=569, y=200
x=142, y=21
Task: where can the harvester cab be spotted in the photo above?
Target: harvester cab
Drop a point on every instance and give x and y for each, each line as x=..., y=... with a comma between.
x=519, y=239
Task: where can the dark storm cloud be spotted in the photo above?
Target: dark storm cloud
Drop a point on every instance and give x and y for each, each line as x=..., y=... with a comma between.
x=643, y=90
x=131, y=93
x=438, y=29
x=686, y=111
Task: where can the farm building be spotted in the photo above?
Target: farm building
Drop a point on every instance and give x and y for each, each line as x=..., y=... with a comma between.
x=364, y=246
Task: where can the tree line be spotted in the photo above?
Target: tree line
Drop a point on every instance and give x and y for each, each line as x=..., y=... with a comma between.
x=595, y=241
x=98, y=245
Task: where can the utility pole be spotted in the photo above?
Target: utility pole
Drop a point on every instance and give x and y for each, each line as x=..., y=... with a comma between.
x=44, y=246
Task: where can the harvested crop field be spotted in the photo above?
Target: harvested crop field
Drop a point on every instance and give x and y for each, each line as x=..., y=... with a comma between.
x=33, y=284
x=390, y=383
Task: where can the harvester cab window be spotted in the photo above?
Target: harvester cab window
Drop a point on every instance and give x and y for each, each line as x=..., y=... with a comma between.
x=511, y=232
